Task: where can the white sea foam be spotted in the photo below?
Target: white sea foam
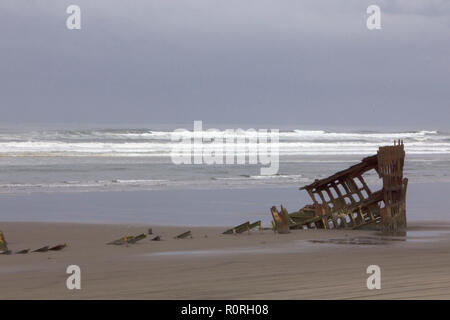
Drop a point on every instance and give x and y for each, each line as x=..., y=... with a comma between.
x=128, y=143
x=139, y=159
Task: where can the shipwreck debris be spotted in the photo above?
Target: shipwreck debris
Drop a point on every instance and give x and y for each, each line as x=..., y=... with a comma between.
x=184, y=235
x=6, y=252
x=238, y=229
x=137, y=238
x=344, y=200
x=254, y=225
x=58, y=247
x=390, y=167
x=157, y=238
x=43, y=249
x=128, y=240
x=24, y=251
x=281, y=220
x=246, y=226
x=3, y=243
x=121, y=241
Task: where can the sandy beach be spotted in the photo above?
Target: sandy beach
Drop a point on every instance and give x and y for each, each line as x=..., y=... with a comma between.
x=314, y=126
x=312, y=264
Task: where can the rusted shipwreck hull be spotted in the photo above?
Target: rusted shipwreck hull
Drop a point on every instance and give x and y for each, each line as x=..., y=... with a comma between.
x=344, y=200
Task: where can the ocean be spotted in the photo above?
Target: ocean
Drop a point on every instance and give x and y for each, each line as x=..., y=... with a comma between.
x=139, y=159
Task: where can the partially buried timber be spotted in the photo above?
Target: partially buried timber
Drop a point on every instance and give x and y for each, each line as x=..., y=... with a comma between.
x=3, y=243
x=187, y=234
x=246, y=226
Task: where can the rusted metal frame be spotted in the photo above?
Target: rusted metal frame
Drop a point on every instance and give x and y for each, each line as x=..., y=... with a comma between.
x=324, y=205
x=316, y=207
x=335, y=212
x=372, y=216
x=354, y=188
x=366, y=162
x=319, y=193
x=347, y=189
x=354, y=224
x=366, y=187
x=390, y=167
x=332, y=199
x=376, y=197
x=341, y=200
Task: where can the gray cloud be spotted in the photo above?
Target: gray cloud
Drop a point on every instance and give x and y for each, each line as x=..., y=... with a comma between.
x=256, y=62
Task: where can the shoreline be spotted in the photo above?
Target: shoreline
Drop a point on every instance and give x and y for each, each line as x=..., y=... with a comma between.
x=259, y=265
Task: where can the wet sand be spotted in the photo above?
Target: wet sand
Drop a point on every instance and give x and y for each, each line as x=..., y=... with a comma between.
x=259, y=265
x=195, y=207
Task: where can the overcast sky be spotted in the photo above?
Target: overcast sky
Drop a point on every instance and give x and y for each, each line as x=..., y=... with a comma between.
x=281, y=62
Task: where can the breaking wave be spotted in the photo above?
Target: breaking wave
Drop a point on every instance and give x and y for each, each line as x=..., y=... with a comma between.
x=148, y=143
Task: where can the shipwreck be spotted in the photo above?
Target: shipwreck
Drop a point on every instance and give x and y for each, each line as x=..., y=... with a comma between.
x=345, y=201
